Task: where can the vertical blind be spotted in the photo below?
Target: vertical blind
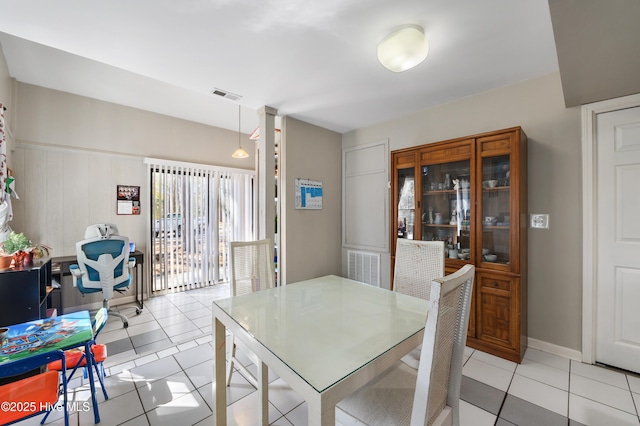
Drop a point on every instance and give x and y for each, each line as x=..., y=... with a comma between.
x=196, y=210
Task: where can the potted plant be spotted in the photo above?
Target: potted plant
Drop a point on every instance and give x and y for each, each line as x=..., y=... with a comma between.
x=22, y=250
x=5, y=259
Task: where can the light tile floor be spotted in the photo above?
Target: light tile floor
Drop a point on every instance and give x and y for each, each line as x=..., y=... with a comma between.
x=159, y=372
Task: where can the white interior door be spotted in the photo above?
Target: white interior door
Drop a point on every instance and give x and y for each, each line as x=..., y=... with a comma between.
x=618, y=239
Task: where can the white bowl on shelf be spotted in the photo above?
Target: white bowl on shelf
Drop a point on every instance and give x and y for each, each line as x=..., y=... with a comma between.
x=490, y=220
x=490, y=257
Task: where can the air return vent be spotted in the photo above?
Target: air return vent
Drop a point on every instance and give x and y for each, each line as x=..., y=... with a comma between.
x=364, y=267
x=225, y=94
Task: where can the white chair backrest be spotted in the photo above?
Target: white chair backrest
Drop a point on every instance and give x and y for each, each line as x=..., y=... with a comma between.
x=251, y=266
x=102, y=230
x=440, y=369
x=104, y=262
x=417, y=264
x=99, y=321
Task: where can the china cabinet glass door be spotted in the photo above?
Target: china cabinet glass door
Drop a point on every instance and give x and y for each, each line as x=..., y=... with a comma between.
x=406, y=203
x=446, y=207
x=496, y=203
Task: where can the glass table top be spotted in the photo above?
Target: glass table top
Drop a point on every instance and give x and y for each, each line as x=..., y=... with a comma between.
x=326, y=328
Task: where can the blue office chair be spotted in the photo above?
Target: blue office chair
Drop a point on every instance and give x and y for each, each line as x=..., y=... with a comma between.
x=104, y=264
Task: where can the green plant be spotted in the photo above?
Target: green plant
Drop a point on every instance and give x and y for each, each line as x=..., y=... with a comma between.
x=16, y=242
x=40, y=250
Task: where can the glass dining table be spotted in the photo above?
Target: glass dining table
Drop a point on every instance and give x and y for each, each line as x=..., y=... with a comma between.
x=325, y=337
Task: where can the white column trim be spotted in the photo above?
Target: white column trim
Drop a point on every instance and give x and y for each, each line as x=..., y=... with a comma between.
x=266, y=173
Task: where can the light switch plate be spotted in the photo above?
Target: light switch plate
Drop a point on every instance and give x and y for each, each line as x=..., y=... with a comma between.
x=539, y=221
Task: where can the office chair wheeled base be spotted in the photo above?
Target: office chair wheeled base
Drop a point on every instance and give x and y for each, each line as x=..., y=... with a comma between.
x=125, y=320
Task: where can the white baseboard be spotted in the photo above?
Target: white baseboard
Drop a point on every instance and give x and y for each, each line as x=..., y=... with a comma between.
x=555, y=349
x=122, y=300
x=94, y=306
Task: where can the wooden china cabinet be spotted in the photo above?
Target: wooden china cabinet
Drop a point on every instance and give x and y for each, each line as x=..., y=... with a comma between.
x=471, y=193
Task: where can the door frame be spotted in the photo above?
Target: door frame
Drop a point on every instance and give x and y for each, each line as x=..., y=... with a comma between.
x=589, y=217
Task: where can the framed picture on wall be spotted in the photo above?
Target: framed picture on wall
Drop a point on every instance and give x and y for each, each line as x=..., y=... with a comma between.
x=128, y=199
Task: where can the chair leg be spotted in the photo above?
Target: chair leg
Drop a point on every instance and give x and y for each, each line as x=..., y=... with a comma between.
x=125, y=320
x=100, y=375
x=241, y=368
x=65, y=399
x=231, y=360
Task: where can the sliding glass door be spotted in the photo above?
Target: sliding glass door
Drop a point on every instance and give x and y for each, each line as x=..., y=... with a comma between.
x=195, y=212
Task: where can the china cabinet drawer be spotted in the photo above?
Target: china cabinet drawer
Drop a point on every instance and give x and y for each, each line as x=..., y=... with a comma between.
x=495, y=283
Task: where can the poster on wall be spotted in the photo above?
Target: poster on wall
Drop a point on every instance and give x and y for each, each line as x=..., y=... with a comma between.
x=308, y=194
x=128, y=199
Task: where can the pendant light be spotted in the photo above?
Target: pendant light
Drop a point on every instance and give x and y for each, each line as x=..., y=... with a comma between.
x=239, y=153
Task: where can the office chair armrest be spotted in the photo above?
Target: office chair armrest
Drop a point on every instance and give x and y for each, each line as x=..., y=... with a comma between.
x=75, y=273
x=132, y=262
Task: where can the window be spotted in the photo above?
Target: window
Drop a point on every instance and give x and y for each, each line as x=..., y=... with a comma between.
x=196, y=210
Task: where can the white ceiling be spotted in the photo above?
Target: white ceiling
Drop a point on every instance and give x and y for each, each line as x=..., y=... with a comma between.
x=314, y=60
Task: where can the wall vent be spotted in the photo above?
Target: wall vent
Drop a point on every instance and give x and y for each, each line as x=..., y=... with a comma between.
x=225, y=94
x=363, y=266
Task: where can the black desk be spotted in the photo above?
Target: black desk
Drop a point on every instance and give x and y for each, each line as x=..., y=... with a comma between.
x=65, y=261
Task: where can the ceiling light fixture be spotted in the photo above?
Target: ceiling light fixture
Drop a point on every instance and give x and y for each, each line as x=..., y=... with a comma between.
x=239, y=153
x=403, y=49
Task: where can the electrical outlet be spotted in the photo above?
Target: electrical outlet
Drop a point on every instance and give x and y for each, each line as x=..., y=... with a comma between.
x=539, y=221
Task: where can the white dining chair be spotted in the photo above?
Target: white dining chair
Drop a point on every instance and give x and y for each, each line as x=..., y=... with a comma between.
x=251, y=269
x=431, y=394
x=417, y=264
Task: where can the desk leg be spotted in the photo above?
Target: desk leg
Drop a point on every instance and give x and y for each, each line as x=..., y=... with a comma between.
x=219, y=374
x=263, y=391
x=140, y=284
x=94, y=399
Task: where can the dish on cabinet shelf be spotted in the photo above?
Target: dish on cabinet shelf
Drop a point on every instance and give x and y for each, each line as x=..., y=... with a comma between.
x=490, y=220
x=490, y=257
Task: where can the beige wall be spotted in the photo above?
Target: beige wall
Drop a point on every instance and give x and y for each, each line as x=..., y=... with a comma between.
x=72, y=151
x=6, y=98
x=554, y=132
x=5, y=81
x=61, y=119
x=311, y=239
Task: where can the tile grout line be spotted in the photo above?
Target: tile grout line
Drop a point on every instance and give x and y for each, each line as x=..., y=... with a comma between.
x=569, y=392
x=632, y=398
